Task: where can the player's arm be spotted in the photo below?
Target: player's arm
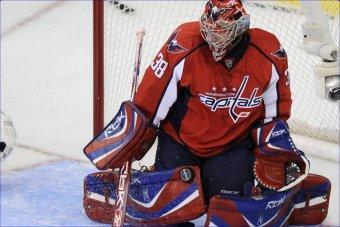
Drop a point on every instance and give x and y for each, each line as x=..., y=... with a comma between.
x=132, y=131
x=277, y=96
x=279, y=164
x=159, y=87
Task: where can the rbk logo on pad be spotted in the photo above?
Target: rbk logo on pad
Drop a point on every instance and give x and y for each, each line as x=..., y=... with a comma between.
x=275, y=203
x=278, y=133
x=173, y=45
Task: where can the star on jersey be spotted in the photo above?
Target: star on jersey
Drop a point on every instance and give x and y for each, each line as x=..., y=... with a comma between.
x=173, y=46
x=238, y=106
x=280, y=53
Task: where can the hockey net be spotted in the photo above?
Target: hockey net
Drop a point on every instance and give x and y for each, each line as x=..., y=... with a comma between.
x=115, y=25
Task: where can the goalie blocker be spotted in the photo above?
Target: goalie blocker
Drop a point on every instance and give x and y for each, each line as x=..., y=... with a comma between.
x=127, y=136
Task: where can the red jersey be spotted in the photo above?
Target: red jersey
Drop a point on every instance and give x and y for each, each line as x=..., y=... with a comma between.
x=207, y=105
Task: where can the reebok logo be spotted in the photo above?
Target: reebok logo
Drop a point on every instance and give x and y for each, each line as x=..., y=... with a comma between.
x=120, y=206
x=278, y=133
x=275, y=203
x=114, y=126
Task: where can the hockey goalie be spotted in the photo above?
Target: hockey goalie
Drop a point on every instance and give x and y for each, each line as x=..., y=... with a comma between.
x=217, y=97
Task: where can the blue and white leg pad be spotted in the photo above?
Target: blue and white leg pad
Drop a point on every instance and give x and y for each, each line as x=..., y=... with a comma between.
x=163, y=197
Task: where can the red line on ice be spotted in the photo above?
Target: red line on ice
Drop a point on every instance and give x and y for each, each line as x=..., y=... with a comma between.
x=32, y=18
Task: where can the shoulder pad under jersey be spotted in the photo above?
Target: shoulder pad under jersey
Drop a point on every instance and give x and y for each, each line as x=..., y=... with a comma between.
x=267, y=43
x=184, y=38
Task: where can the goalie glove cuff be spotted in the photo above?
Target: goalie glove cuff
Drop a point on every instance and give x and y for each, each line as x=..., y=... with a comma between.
x=271, y=132
x=279, y=165
x=274, y=138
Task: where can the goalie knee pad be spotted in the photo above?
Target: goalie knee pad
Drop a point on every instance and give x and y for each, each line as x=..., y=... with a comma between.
x=270, y=210
x=127, y=136
x=305, y=204
x=273, y=209
x=155, y=198
x=311, y=202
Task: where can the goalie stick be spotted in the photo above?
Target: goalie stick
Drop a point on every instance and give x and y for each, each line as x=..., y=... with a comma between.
x=125, y=170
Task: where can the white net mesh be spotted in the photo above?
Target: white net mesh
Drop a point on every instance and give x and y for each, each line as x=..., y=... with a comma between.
x=311, y=116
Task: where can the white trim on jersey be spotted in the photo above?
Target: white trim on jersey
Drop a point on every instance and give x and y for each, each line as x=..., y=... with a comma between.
x=270, y=96
x=170, y=95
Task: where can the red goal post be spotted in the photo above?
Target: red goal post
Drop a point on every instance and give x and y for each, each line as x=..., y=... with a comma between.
x=115, y=24
x=98, y=66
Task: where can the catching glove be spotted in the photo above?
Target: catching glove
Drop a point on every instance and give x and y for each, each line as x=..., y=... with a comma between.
x=279, y=165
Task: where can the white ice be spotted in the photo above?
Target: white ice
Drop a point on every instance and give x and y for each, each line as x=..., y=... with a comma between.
x=46, y=88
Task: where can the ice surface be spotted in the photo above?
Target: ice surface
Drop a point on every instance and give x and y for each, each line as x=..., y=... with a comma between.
x=49, y=195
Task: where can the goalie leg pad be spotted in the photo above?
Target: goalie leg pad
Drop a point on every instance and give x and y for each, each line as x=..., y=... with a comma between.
x=125, y=137
x=99, y=196
x=155, y=198
x=311, y=202
x=273, y=209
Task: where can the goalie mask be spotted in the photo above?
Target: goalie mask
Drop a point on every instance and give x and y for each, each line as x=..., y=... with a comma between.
x=222, y=23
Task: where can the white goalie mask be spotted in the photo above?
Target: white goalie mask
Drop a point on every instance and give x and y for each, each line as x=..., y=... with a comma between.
x=222, y=23
x=7, y=136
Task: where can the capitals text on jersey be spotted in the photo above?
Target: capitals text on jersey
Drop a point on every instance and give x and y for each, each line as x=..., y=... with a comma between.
x=233, y=101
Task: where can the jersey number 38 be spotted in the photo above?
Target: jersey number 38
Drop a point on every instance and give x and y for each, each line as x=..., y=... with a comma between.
x=159, y=65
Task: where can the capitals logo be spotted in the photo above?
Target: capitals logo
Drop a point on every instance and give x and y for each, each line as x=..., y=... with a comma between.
x=173, y=45
x=280, y=53
x=234, y=101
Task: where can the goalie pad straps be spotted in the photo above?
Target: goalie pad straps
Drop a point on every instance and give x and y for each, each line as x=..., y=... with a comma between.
x=155, y=198
x=127, y=136
x=100, y=193
x=311, y=202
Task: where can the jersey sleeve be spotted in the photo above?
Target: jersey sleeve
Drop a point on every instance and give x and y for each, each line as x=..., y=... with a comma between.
x=159, y=87
x=277, y=96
